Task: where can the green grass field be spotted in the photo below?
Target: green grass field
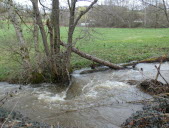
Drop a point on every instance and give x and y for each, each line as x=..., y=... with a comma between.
x=120, y=45
x=117, y=45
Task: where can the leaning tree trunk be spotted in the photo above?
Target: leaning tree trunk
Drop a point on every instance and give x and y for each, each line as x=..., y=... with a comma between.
x=22, y=44
x=94, y=59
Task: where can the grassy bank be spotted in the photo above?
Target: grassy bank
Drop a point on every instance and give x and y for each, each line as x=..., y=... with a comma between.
x=117, y=45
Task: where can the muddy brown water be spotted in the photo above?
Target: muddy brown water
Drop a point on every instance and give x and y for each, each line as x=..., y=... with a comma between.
x=96, y=100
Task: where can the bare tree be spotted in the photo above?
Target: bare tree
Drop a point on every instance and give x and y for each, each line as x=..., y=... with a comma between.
x=165, y=10
x=22, y=43
x=58, y=60
x=54, y=62
x=158, y=8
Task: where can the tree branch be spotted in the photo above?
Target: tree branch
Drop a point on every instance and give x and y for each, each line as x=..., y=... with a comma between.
x=43, y=5
x=151, y=4
x=69, y=4
x=84, y=12
x=159, y=73
x=165, y=10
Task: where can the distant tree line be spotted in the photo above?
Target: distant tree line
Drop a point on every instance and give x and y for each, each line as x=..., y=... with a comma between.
x=114, y=13
x=129, y=14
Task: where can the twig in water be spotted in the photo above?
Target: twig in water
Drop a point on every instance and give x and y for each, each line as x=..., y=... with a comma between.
x=159, y=73
x=158, y=69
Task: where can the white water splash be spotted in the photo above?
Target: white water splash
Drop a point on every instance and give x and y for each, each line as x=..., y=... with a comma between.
x=49, y=97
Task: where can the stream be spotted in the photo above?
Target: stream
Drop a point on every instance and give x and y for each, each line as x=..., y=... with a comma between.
x=96, y=100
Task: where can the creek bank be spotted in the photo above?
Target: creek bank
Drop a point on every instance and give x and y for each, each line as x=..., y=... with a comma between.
x=10, y=119
x=155, y=114
x=154, y=87
x=98, y=65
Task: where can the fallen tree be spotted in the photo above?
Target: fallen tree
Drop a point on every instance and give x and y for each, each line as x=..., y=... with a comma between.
x=149, y=60
x=94, y=59
x=114, y=66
